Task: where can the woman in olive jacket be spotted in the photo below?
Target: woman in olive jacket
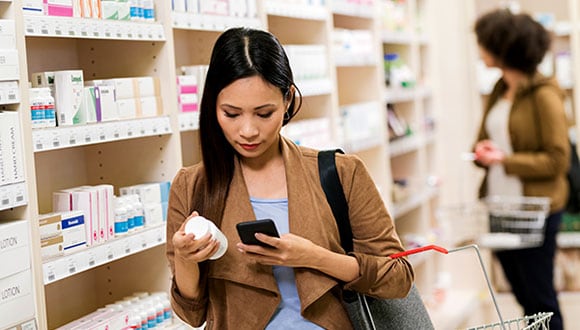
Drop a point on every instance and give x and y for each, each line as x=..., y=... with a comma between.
x=250, y=171
x=523, y=145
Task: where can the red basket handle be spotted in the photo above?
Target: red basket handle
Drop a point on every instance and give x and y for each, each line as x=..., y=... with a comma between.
x=420, y=249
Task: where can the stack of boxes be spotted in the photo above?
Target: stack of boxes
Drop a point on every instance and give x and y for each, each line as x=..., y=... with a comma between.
x=122, y=10
x=79, y=102
x=12, y=187
x=235, y=8
x=16, y=294
x=90, y=215
x=9, y=70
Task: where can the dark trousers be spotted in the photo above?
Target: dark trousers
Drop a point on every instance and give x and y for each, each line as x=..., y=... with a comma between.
x=530, y=273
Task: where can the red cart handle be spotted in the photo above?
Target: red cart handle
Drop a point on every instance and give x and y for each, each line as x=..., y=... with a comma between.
x=419, y=249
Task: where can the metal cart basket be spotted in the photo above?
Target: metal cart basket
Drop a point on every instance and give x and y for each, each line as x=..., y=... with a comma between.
x=498, y=222
x=531, y=322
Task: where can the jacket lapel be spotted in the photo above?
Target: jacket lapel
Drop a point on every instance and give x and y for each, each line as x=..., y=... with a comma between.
x=308, y=216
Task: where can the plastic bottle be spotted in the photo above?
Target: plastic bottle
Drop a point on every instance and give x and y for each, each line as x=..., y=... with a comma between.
x=49, y=108
x=121, y=223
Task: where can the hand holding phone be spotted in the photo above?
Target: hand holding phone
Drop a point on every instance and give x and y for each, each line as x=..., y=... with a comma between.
x=248, y=229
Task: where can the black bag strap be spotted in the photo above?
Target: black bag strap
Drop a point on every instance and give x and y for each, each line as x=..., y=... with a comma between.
x=334, y=192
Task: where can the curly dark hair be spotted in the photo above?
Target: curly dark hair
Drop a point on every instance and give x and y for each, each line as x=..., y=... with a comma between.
x=516, y=40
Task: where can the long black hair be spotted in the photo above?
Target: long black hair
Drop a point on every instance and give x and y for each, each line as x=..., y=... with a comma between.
x=238, y=53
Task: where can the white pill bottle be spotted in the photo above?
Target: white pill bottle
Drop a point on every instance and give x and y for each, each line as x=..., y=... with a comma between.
x=199, y=226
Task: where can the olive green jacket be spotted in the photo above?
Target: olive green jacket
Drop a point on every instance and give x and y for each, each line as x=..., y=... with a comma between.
x=538, y=130
x=242, y=295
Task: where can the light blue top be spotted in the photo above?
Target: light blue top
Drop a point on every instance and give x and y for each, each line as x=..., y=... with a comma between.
x=287, y=314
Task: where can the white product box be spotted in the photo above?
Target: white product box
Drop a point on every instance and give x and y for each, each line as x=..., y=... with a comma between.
x=33, y=7
x=150, y=106
x=153, y=213
x=50, y=225
x=9, y=69
x=89, y=105
x=178, y=6
x=16, y=300
x=96, y=9
x=52, y=247
x=124, y=87
x=188, y=103
x=105, y=103
x=239, y=8
x=147, y=86
x=110, y=9
x=105, y=195
x=192, y=6
x=68, y=90
x=73, y=231
x=214, y=7
x=149, y=193
x=127, y=108
x=79, y=200
x=7, y=34
x=187, y=84
x=124, y=8
x=12, y=166
x=14, y=247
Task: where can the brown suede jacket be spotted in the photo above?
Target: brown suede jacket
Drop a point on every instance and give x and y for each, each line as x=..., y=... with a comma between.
x=539, y=136
x=242, y=295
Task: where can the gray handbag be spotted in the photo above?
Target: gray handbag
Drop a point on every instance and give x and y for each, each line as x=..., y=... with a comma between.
x=366, y=312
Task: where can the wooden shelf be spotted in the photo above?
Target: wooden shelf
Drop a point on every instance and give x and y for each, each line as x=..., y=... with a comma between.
x=69, y=265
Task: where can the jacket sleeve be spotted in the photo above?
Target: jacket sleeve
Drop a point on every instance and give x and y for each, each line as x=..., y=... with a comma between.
x=192, y=311
x=553, y=157
x=374, y=238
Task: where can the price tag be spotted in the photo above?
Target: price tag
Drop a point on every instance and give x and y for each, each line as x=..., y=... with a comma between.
x=72, y=139
x=50, y=273
x=109, y=253
x=72, y=267
x=91, y=259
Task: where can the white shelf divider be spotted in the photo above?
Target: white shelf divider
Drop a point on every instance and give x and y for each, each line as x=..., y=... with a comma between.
x=73, y=136
x=216, y=23
x=86, y=28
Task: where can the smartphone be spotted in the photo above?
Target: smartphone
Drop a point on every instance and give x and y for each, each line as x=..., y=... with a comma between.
x=247, y=229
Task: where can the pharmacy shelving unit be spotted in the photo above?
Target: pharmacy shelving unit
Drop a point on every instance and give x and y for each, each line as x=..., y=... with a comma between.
x=561, y=18
x=194, y=35
x=17, y=204
x=305, y=32
x=359, y=76
x=411, y=156
x=120, y=153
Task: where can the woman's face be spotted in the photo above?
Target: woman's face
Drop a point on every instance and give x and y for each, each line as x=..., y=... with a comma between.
x=250, y=112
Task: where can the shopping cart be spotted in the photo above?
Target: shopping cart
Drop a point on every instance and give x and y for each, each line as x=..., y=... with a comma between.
x=498, y=222
x=531, y=322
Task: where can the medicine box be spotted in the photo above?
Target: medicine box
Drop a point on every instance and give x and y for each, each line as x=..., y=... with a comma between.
x=14, y=247
x=69, y=92
x=9, y=69
x=62, y=232
x=16, y=300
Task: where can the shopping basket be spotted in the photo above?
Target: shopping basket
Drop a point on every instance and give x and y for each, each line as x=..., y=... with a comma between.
x=498, y=222
x=532, y=322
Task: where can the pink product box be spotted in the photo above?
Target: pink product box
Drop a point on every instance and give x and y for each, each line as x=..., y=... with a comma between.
x=59, y=7
x=187, y=84
x=188, y=103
